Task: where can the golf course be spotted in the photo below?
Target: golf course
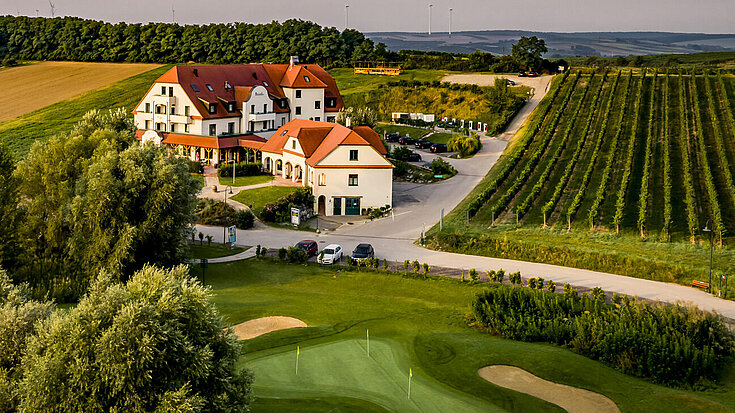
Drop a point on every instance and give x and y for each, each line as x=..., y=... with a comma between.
x=416, y=327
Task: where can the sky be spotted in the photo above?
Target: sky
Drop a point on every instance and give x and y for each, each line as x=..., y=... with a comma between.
x=702, y=16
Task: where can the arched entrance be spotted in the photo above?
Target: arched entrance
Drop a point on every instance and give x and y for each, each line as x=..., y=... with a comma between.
x=267, y=164
x=279, y=167
x=288, y=169
x=297, y=173
x=322, y=205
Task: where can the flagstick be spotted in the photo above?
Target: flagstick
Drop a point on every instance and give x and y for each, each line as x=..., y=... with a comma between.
x=368, y=342
x=297, y=359
x=410, y=374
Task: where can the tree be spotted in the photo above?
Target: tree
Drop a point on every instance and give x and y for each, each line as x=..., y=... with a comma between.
x=528, y=51
x=358, y=117
x=9, y=212
x=156, y=343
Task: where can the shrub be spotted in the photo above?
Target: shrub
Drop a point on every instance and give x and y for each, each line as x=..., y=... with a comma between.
x=244, y=219
x=406, y=265
x=257, y=251
x=598, y=294
x=669, y=344
x=280, y=210
x=532, y=283
x=474, y=276
x=195, y=167
x=500, y=275
x=263, y=251
x=441, y=167
x=295, y=255
x=385, y=264
x=400, y=153
x=551, y=286
x=464, y=145
x=241, y=169
x=491, y=274
x=211, y=212
x=569, y=291
x=209, y=239
x=282, y=253
x=540, y=283
x=416, y=265
x=426, y=268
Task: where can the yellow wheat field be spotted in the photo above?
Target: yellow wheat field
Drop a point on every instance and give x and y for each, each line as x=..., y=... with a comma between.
x=27, y=88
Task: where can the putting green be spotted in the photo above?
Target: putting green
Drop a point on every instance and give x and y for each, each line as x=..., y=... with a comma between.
x=342, y=368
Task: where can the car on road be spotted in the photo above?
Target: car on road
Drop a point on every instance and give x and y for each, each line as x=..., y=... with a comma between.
x=363, y=251
x=392, y=137
x=406, y=140
x=522, y=74
x=532, y=74
x=414, y=157
x=422, y=144
x=450, y=124
x=330, y=254
x=511, y=83
x=309, y=247
x=438, y=148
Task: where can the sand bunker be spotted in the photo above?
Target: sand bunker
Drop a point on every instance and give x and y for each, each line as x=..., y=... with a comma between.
x=568, y=398
x=259, y=326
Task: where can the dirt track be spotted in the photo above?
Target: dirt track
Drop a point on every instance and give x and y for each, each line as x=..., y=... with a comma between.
x=568, y=398
x=27, y=88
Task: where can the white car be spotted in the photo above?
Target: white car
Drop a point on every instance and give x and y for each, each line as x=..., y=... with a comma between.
x=330, y=254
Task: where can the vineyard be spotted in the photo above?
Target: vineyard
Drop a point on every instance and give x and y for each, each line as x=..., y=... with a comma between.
x=617, y=172
x=648, y=153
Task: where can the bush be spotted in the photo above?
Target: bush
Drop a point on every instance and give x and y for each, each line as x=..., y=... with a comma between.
x=224, y=170
x=400, y=153
x=211, y=212
x=474, y=276
x=280, y=211
x=551, y=286
x=295, y=255
x=282, y=253
x=195, y=167
x=441, y=167
x=669, y=344
x=464, y=145
x=244, y=219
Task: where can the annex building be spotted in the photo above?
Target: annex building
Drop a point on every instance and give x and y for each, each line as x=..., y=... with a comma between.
x=213, y=113
x=345, y=167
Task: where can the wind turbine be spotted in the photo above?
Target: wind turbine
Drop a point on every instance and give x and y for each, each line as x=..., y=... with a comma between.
x=430, y=6
x=173, y=13
x=450, y=22
x=53, y=8
x=347, y=16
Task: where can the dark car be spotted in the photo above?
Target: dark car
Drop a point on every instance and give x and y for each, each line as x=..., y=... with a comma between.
x=308, y=246
x=438, y=148
x=363, y=251
x=532, y=74
x=392, y=137
x=450, y=124
x=423, y=144
x=511, y=83
x=406, y=140
x=414, y=157
x=522, y=74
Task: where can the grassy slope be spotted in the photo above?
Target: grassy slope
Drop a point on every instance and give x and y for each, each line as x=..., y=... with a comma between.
x=691, y=259
x=403, y=130
x=260, y=196
x=20, y=133
x=425, y=321
x=350, y=83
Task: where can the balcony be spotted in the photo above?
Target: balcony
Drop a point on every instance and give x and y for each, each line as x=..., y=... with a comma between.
x=164, y=100
x=181, y=119
x=144, y=116
x=160, y=118
x=261, y=117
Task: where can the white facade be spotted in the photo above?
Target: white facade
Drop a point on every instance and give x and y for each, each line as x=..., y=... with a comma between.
x=304, y=103
x=167, y=108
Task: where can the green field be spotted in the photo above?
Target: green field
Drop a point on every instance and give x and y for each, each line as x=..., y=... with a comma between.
x=349, y=82
x=20, y=133
x=440, y=137
x=259, y=197
x=622, y=174
x=413, y=323
x=205, y=250
x=246, y=180
x=403, y=130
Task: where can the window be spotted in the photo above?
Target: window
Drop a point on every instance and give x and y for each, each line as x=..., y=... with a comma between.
x=147, y=124
x=147, y=108
x=284, y=133
x=230, y=107
x=293, y=144
x=213, y=130
x=265, y=83
x=265, y=108
x=283, y=121
x=195, y=88
x=231, y=128
x=158, y=109
x=173, y=109
x=186, y=127
x=331, y=102
x=173, y=127
x=209, y=87
x=170, y=92
x=282, y=103
x=186, y=110
x=322, y=179
x=306, y=79
x=212, y=108
x=252, y=108
x=353, y=154
x=317, y=104
x=298, y=110
x=352, y=180
x=317, y=118
x=298, y=94
x=331, y=119
x=163, y=90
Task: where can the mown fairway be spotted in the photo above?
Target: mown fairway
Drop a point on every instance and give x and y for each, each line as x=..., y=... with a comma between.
x=642, y=156
x=413, y=323
x=27, y=88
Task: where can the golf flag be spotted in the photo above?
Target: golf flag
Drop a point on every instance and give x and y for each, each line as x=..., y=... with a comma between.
x=410, y=372
x=297, y=350
x=297, y=359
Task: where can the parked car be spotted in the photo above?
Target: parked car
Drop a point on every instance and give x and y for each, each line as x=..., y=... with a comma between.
x=392, y=137
x=406, y=140
x=308, y=246
x=450, y=124
x=414, y=157
x=438, y=148
x=423, y=144
x=363, y=251
x=332, y=254
x=532, y=74
x=511, y=83
x=522, y=74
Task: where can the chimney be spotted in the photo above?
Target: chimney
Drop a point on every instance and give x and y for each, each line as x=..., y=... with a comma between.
x=348, y=122
x=294, y=61
x=196, y=72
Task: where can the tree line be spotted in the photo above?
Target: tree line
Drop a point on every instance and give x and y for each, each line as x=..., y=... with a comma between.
x=77, y=39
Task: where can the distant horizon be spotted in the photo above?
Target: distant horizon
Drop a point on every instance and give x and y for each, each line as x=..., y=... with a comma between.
x=381, y=16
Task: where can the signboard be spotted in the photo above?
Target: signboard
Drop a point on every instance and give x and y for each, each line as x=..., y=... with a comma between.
x=295, y=217
x=232, y=234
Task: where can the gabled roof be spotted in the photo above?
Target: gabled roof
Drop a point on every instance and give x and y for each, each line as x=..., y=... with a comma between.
x=217, y=142
x=319, y=139
x=229, y=82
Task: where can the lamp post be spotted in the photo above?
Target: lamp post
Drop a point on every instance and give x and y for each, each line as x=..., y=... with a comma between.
x=224, y=228
x=233, y=170
x=707, y=229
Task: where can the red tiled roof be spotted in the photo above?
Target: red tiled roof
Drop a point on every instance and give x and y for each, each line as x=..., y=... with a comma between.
x=218, y=142
x=319, y=139
x=247, y=76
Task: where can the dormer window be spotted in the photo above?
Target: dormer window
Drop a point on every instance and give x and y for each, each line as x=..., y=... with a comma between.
x=195, y=88
x=284, y=133
x=306, y=79
x=265, y=83
x=210, y=88
x=331, y=102
x=282, y=103
x=293, y=144
x=227, y=85
x=230, y=107
x=212, y=108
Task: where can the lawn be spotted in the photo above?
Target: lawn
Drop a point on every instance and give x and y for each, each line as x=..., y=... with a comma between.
x=20, y=133
x=403, y=130
x=413, y=323
x=246, y=180
x=440, y=137
x=259, y=197
x=349, y=82
x=197, y=251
